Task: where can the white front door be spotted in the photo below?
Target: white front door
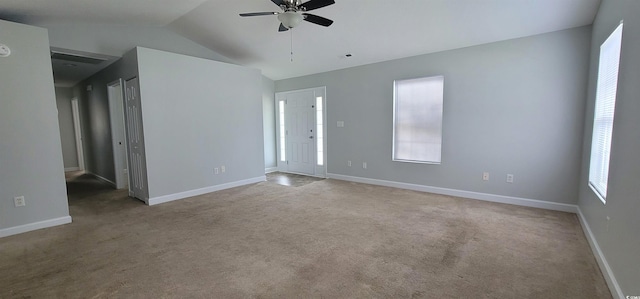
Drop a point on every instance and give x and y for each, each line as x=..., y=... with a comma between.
x=135, y=141
x=299, y=122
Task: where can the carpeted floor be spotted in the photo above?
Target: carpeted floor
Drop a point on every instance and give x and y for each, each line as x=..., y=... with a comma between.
x=325, y=239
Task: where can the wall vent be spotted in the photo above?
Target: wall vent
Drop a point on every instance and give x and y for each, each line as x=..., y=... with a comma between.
x=76, y=58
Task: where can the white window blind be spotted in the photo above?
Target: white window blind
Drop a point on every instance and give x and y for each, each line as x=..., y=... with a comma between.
x=417, y=120
x=603, y=117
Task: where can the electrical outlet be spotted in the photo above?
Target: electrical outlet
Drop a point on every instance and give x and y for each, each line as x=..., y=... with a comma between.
x=223, y=169
x=19, y=201
x=216, y=170
x=364, y=165
x=509, y=178
x=349, y=163
x=485, y=176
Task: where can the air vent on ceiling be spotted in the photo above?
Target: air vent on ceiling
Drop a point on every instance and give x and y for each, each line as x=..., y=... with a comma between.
x=76, y=58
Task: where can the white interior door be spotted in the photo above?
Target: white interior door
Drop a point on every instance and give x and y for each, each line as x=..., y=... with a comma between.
x=75, y=111
x=135, y=141
x=116, y=112
x=299, y=120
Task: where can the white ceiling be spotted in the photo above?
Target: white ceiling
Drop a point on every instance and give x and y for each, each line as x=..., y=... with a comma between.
x=137, y=12
x=370, y=30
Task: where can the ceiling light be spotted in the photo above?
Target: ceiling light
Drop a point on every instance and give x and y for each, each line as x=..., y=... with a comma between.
x=290, y=19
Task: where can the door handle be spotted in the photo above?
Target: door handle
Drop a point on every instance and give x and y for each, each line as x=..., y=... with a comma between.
x=310, y=137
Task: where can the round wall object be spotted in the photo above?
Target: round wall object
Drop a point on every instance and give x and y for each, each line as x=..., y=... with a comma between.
x=4, y=50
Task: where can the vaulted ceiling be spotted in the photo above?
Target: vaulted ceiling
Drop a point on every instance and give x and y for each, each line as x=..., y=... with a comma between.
x=371, y=30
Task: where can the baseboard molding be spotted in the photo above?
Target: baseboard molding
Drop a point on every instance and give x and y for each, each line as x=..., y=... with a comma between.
x=196, y=192
x=103, y=179
x=270, y=169
x=71, y=169
x=34, y=226
x=614, y=287
x=461, y=193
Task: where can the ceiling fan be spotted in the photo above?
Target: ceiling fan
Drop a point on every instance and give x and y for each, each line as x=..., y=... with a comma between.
x=294, y=11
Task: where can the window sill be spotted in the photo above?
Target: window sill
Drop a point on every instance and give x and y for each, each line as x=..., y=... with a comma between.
x=602, y=198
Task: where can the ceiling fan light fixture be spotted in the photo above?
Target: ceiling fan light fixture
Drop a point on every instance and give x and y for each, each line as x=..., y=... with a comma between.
x=290, y=19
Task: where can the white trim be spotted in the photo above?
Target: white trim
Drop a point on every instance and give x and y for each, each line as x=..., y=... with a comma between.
x=462, y=193
x=196, y=192
x=270, y=169
x=71, y=169
x=118, y=135
x=34, y=226
x=103, y=179
x=614, y=288
x=77, y=132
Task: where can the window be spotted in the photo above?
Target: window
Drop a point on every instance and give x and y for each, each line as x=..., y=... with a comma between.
x=417, y=120
x=319, y=132
x=603, y=117
x=283, y=144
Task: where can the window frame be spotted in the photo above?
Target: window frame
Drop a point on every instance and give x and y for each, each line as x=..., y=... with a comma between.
x=604, y=113
x=395, y=121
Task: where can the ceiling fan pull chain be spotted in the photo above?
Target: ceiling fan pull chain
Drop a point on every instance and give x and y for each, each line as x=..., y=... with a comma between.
x=291, y=45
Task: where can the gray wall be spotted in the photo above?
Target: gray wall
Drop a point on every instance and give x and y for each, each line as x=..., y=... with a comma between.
x=95, y=118
x=30, y=150
x=115, y=40
x=199, y=114
x=67, y=132
x=269, y=122
x=618, y=238
x=510, y=107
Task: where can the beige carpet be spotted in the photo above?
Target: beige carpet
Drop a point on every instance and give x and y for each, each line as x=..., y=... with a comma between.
x=326, y=239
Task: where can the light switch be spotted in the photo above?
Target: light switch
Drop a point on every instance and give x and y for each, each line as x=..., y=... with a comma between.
x=340, y=124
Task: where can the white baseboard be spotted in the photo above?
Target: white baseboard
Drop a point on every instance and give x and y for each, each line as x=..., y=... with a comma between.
x=71, y=169
x=614, y=287
x=461, y=193
x=270, y=169
x=103, y=179
x=196, y=192
x=34, y=226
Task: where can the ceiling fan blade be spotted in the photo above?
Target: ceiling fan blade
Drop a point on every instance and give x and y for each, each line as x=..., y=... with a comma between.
x=253, y=14
x=317, y=20
x=282, y=28
x=278, y=2
x=315, y=4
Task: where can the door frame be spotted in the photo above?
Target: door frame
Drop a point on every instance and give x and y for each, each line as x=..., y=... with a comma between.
x=116, y=116
x=281, y=164
x=77, y=129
